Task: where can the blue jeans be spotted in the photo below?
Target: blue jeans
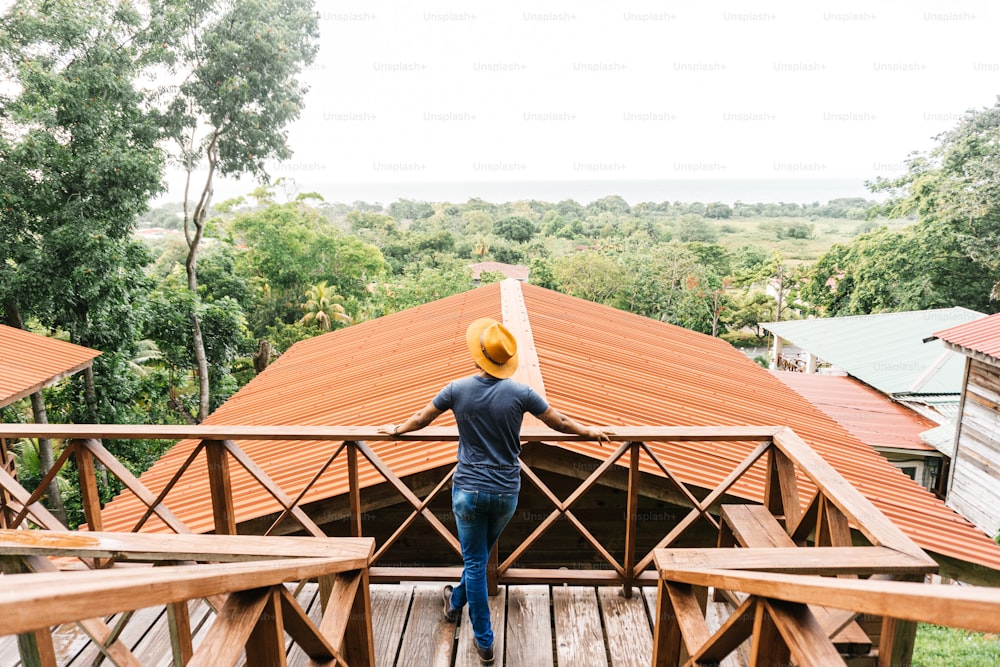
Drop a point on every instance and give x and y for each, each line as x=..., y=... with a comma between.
x=480, y=517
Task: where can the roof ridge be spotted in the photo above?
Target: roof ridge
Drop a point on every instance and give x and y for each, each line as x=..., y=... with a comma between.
x=516, y=319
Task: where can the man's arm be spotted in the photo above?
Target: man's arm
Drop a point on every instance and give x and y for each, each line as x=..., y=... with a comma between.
x=557, y=421
x=417, y=421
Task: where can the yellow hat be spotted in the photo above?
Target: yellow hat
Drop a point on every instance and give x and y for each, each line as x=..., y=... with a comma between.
x=493, y=347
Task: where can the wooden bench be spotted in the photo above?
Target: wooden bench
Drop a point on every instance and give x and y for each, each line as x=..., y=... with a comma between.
x=753, y=526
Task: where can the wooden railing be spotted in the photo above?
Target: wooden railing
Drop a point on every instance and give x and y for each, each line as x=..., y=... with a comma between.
x=809, y=502
x=833, y=508
x=243, y=577
x=777, y=616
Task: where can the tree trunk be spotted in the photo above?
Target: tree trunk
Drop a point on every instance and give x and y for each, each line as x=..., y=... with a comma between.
x=46, y=459
x=90, y=395
x=198, y=218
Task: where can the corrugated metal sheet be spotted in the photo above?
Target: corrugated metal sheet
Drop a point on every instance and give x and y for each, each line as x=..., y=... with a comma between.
x=600, y=365
x=981, y=336
x=941, y=438
x=885, y=351
x=29, y=362
x=870, y=416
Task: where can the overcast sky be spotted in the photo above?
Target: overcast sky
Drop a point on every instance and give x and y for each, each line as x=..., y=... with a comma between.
x=570, y=91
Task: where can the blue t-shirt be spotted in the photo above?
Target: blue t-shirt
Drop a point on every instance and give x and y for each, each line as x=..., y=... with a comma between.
x=489, y=413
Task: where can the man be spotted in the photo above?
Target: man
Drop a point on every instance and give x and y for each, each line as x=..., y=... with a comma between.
x=488, y=408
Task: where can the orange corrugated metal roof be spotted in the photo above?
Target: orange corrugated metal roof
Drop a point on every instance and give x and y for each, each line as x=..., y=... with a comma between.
x=981, y=336
x=873, y=417
x=29, y=362
x=600, y=365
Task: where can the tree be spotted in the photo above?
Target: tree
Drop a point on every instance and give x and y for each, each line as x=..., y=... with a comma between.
x=718, y=210
x=695, y=228
x=514, y=228
x=914, y=268
x=78, y=162
x=407, y=209
x=588, y=275
x=955, y=188
x=541, y=274
x=238, y=64
x=323, y=308
x=289, y=247
x=418, y=285
x=611, y=204
x=478, y=223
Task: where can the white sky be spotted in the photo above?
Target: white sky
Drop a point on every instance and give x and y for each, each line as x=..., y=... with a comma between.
x=411, y=92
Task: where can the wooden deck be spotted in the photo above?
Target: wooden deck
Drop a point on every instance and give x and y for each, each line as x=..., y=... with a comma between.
x=582, y=626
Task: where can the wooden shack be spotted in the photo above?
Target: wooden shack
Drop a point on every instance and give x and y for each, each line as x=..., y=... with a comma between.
x=974, y=487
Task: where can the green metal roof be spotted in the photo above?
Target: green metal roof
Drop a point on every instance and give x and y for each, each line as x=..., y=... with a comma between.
x=887, y=350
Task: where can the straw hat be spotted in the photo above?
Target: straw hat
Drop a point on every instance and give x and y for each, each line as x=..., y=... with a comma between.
x=493, y=347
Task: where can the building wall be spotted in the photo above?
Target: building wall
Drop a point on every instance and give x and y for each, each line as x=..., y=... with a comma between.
x=975, y=486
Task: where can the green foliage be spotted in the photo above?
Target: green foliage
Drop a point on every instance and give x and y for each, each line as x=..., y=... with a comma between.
x=290, y=247
x=954, y=190
x=540, y=273
x=78, y=162
x=508, y=252
x=922, y=266
x=407, y=209
x=418, y=285
x=514, y=228
x=589, y=275
x=694, y=228
x=784, y=229
x=323, y=308
x=718, y=210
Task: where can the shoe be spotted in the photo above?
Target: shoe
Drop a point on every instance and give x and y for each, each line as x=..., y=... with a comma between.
x=450, y=615
x=485, y=655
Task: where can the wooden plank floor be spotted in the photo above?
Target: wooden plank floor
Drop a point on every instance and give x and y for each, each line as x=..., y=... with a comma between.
x=535, y=626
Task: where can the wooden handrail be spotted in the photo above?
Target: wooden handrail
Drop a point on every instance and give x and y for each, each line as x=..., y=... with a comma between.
x=971, y=607
x=152, y=547
x=363, y=433
x=34, y=601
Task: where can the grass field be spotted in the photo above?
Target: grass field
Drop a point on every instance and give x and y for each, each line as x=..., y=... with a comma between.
x=759, y=231
x=950, y=647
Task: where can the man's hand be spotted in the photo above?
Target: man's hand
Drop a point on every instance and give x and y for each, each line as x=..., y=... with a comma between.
x=388, y=428
x=600, y=434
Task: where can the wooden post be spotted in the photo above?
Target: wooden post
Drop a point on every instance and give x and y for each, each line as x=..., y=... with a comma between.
x=266, y=644
x=221, y=488
x=492, y=565
x=766, y=645
x=781, y=493
x=90, y=496
x=35, y=648
x=179, y=621
x=632, y=513
x=354, y=489
x=895, y=645
x=359, y=640
x=7, y=465
x=666, y=630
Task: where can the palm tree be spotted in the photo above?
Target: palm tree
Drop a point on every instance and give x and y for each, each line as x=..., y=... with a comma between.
x=323, y=308
x=482, y=247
